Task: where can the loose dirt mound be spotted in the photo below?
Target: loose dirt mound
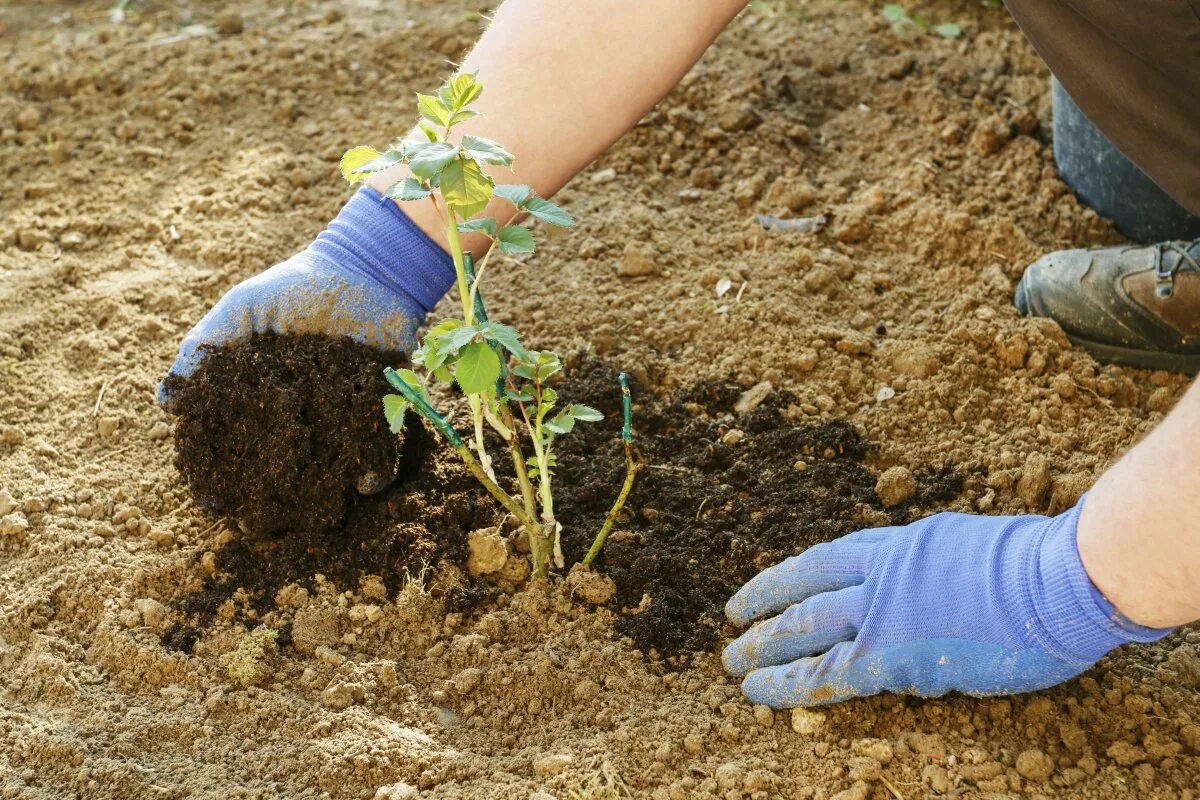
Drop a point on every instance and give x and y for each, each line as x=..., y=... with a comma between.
x=285, y=433
x=150, y=164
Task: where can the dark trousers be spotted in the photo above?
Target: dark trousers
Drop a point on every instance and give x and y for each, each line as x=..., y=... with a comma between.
x=1109, y=182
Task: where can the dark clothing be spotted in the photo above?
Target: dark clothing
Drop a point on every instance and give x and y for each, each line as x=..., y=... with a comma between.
x=1109, y=182
x=1133, y=67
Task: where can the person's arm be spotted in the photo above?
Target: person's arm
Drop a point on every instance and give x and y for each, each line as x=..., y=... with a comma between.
x=983, y=605
x=563, y=81
x=1139, y=534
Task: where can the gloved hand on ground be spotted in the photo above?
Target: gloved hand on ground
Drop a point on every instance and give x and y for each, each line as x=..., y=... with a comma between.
x=371, y=275
x=954, y=602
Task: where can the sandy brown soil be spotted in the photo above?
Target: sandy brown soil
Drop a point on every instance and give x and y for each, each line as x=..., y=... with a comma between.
x=148, y=166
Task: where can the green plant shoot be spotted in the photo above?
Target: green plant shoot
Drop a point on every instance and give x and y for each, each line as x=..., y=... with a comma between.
x=507, y=386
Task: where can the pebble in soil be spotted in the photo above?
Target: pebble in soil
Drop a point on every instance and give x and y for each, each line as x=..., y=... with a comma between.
x=709, y=509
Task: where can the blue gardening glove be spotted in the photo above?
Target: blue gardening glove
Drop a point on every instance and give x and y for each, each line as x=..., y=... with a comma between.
x=955, y=602
x=372, y=275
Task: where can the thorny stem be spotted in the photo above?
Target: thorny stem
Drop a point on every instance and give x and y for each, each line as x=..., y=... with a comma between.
x=631, y=470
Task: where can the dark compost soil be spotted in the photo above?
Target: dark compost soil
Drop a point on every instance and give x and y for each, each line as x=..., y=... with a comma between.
x=706, y=514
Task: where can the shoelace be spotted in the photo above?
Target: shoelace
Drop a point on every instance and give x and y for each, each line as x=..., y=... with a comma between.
x=1164, y=276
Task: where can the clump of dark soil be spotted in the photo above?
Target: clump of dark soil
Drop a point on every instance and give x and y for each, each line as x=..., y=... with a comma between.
x=281, y=432
x=709, y=510
x=706, y=514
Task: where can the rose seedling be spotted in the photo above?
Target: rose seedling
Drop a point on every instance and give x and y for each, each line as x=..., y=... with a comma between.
x=506, y=385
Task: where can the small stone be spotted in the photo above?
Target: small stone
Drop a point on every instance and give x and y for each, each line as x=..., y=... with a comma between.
x=800, y=466
x=337, y=696
x=895, y=486
x=729, y=776
x=72, y=240
x=7, y=503
x=589, y=586
x=161, y=538
x=328, y=656
x=28, y=118
x=604, y=175
x=160, y=430
x=397, y=791
x=230, y=23
x=739, y=118
x=753, y=397
x=487, y=551
x=365, y=613
x=637, y=261
x=1034, y=765
x=937, y=778
x=764, y=716
x=154, y=614
x=790, y=194
x=1034, y=481
x=14, y=524
x=586, y=691
x=1126, y=754
x=861, y=768
x=806, y=722
x=467, y=681
x=733, y=436
x=107, y=426
x=991, y=135
x=878, y=749
x=551, y=764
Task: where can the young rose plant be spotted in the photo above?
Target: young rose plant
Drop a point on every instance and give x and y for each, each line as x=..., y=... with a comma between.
x=505, y=384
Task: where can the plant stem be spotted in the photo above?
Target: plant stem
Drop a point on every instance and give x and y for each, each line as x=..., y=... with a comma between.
x=460, y=272
x=631, y=470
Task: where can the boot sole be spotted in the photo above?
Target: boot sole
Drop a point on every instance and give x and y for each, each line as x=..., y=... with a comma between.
x=1141, y=359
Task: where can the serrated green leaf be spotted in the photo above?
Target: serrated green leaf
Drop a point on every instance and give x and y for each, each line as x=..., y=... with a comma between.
x=427, y=159
x=515, y=193
x=354, y=160
x=523, y=371
x=585, y=413
x=444, y=327
x=462, y=116
x=506, y=336
x=443, y=374
x=515, y=239
x=519, y=396
x=478, y=368
x=394, y=407
x=486, y=151
x=461, y=90
x=482, y=225
x=433, y=109
x=430, y=132
x=548, y=212
x=465, y=187
x=547, y=364
x=408, y=189
x=948, y=30
x=562, y=423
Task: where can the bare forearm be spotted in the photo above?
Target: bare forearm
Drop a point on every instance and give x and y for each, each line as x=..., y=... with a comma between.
x=563, y=81
x=1139, y=533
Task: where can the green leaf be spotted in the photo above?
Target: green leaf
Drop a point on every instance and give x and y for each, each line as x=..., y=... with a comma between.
x=893, y=12
x=482, y=225
x=465, y=187
x=430, y=132
x=562, y=423
x=585, y=413
x=515, y=193
x=548, y=212
x=443, y=374
x=948, y=30
x=462, y=116
x=461, y=90
x=506, y=336
x=354, y=160
x=394, y=407
x=444, y=327
x=523, y=371
x=433, y=109
x=478, y=368
x=547, y=364
x=515, y=239
x=429, y=158
x=521, y=396
x=486, y=151
x=408, y=189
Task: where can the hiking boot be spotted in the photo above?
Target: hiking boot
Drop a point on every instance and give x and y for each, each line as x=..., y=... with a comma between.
x=1132, y=305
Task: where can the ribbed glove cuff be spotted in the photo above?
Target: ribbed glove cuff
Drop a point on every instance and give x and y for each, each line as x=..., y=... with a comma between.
x=373, y=237
x=1077, y=622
